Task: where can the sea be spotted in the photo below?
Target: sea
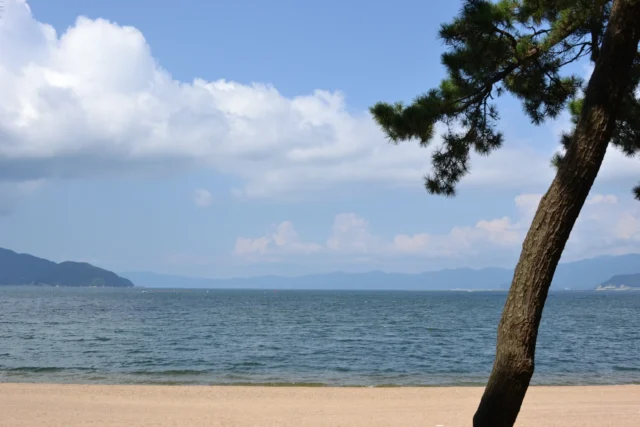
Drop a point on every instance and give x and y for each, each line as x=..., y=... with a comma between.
x=303, y=338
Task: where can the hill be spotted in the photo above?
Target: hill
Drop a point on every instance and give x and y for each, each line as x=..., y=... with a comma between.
x=24, y=269
x=623, y=281
x=580, y=275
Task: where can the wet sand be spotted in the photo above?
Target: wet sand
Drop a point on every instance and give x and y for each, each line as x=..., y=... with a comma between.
x=47, y=405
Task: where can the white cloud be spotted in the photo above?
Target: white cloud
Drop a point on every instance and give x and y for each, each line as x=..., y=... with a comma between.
x=351, y=235
x=93, y=100
x=461, y=240
x=605, y=226
x=202, y=198
x=283, y=240
x=246, y=246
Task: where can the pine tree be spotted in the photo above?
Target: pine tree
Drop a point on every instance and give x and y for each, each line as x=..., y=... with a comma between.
x=523, y=48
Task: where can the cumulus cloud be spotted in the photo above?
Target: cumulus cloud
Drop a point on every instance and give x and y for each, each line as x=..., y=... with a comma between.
x=461, y=240
x=351, y=235
x=93, y=100
x=283, y=240
x=606, y=226
x=202, y=198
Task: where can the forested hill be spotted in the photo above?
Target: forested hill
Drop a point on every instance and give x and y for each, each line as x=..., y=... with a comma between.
x=623, y=280
x=23, y=269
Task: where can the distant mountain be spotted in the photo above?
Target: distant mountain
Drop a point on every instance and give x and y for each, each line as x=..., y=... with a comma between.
x=24, y=269
x=623, y=281
x=444, y=279
x=580, y=275
x=589, y=273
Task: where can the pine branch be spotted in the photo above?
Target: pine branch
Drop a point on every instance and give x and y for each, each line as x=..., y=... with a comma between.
x=514, y=46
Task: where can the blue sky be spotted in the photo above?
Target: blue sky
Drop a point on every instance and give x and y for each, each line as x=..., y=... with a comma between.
x=232, y=139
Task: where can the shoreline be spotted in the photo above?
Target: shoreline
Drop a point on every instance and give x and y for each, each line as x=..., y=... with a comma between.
x=202, y=378
x=286, y=385
x=75, y=405
x=164, y=380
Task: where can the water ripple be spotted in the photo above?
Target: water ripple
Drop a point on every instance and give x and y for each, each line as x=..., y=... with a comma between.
x=303, y=338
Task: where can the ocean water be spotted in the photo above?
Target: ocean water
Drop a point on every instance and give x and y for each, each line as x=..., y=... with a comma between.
x=303, y=337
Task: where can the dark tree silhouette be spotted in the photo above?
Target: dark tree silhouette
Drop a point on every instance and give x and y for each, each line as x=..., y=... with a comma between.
x=522, y=48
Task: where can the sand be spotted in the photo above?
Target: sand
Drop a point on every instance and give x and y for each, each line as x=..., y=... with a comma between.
x=45, y=405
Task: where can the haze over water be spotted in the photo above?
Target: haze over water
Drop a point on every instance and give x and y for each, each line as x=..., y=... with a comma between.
x=303, y=337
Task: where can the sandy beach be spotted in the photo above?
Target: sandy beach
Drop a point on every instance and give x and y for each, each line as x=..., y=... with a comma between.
x=45, y=405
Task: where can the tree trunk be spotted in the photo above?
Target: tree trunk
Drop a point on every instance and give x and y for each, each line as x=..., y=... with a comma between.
x=557, y=213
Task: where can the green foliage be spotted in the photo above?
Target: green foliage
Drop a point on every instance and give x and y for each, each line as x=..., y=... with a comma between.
x=520, y=47
x=23, y=269
x=626, y=136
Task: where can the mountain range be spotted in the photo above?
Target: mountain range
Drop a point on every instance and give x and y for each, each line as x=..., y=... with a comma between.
x=579, y=275
x=24, y=269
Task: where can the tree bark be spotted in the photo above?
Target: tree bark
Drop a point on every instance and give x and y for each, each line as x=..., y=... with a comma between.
x=556, y=215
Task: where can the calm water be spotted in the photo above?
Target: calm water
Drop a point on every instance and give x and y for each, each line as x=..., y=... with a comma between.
x=289, y=337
